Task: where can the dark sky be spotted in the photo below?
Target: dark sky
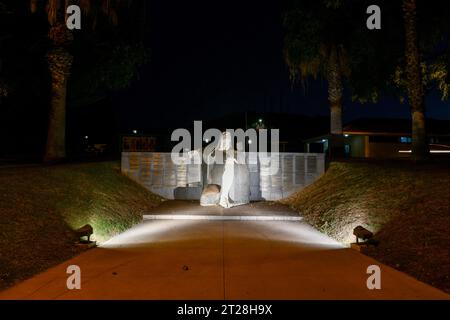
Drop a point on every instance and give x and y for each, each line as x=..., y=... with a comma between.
x=210, y=58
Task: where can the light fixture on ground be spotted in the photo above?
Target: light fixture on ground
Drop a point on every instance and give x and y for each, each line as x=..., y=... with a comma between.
x=85, y=231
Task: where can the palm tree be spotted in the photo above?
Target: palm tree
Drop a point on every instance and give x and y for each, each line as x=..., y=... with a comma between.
x=374, y=56
x=415, y=87
x=60, y=61
x=389, y=61
x=335, y=67
x=315, y=46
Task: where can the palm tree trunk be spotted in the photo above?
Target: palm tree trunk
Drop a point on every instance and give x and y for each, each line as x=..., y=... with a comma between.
x=59, y=62
x=56, y=131
x=335, y=92
x=420, y=149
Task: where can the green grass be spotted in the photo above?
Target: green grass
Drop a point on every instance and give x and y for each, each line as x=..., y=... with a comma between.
x=407, y=207
x=41, y=206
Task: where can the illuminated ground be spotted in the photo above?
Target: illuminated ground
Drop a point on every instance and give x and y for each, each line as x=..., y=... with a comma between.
x=197, y=259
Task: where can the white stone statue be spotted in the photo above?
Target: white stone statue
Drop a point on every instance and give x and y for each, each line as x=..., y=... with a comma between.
x=227, y=181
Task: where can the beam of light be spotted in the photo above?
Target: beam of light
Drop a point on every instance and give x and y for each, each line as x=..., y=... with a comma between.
x=221, y=218
x=431, y=151
x=294, y=232
x=173, y=231
x=194, y=229
x=148, y=232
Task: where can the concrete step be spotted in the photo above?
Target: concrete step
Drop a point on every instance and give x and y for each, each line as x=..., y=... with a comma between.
x=220, y=217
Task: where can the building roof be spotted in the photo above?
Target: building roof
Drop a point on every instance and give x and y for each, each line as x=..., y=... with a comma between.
x=387, y=127
x=376, y=126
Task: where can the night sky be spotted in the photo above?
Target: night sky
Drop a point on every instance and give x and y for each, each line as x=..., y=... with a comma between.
x=210, y=58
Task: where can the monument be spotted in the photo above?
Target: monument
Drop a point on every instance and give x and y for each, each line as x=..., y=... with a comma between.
x=227, y=180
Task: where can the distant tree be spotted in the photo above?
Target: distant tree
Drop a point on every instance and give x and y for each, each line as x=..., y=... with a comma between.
x=103, y=68
x=375, y=54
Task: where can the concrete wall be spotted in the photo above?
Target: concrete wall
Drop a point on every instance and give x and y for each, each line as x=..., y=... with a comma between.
x=159, y=174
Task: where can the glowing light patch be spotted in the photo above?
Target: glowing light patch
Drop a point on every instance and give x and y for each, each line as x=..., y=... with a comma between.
x=147, y=232
x=220, y=218
x=159, y=231
x=300, y=233
x=431, y=151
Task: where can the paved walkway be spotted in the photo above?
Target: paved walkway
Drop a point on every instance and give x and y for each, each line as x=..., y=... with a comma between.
x=253, y=209
x=201, y=259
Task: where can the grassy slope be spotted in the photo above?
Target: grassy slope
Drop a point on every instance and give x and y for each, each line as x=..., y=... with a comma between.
x=406, y=206
x=40, y=206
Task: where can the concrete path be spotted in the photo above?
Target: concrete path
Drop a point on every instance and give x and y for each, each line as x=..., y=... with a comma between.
x=201, y=259
x=253, y=209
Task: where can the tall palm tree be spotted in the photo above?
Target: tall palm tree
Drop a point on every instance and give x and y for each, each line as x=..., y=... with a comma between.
x=335, y=70
x=60, y=61
x=315, y=44
x=415, y=87
x=388, y=61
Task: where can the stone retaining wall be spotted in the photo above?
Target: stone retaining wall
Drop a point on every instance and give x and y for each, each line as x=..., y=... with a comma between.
x=159, y=174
